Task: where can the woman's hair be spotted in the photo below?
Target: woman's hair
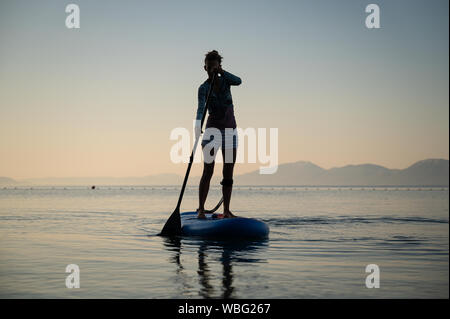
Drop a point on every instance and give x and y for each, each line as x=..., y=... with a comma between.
x=213, y=56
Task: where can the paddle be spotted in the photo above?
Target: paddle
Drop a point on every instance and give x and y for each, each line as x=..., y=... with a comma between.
x=173, y=224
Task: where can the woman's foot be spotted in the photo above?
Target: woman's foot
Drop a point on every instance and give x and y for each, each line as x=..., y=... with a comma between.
x=228, y=215
x=201, y=213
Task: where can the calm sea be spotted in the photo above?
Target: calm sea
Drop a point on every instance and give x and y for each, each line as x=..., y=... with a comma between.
x=320, y=243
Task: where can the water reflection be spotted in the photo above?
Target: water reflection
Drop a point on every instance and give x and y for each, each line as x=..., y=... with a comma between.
x=231, y=254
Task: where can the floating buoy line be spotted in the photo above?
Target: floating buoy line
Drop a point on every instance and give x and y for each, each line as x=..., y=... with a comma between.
x=248, y=188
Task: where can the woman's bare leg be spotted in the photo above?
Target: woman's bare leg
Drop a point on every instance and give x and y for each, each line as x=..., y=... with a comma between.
x=208, y=171
x=227, y=188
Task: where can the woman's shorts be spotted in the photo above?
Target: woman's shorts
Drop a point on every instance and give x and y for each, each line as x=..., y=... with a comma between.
x=226, y=139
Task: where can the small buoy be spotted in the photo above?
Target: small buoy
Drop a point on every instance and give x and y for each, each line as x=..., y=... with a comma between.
x=93, y=187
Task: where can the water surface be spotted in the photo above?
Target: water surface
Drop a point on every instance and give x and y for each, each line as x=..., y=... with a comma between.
x=320, y=242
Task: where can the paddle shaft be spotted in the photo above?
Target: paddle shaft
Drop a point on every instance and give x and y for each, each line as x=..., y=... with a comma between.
x=191, y=159
x=173, y=224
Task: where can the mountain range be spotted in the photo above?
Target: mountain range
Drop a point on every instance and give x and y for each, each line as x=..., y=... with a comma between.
x=423, y=173
x=430, y=172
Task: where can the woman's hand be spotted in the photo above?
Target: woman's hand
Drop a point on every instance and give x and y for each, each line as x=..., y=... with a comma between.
x=198, y=129
x=215, y=69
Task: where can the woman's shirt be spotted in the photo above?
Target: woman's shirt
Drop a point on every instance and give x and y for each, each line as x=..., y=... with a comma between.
x=220, y=106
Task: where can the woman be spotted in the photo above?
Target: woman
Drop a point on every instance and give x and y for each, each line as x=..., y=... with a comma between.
x=221, y=119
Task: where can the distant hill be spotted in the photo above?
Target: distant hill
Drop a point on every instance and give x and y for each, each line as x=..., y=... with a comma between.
x=430, y=172
x=6, y=181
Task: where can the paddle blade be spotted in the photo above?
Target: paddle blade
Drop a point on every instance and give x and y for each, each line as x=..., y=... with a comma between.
x=173, y=225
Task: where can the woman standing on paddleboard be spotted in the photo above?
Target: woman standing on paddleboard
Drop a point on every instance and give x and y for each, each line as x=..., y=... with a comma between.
x=220, y=129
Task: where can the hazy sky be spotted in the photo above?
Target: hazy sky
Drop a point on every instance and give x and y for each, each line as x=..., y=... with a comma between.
x=103, y=99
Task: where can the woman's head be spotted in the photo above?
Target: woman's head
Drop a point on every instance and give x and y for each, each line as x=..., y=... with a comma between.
x=213, y=61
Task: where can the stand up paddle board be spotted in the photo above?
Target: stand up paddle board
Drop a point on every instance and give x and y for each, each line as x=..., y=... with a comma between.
x=211, y=226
